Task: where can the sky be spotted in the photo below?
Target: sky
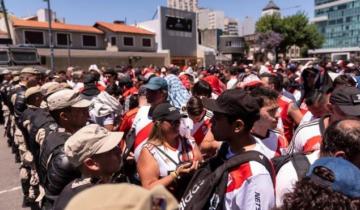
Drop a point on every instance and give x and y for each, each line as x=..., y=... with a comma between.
x=87, y=12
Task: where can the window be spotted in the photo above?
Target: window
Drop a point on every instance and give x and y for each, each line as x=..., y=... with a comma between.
x=146, y=42
x=228, y=43
x=113, y=41
x=128, y=41
x=178, y=24
x=63, y=39
x=34, y=37
x=89, y=41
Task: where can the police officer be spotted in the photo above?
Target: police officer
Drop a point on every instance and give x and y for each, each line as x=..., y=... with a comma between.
x=30, y=150
x=71, y=113
x=94, y=150
x=5, y=84
x=5, y=77
x=9, y=99
x=28, y=76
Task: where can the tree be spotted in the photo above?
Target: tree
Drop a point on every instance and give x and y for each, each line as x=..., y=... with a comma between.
x=295, y=30
x=269, y=23
x=269, y=41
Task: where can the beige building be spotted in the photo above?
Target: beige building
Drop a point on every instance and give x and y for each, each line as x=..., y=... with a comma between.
x=188, y=5
x=231, y=26
x=106, y=44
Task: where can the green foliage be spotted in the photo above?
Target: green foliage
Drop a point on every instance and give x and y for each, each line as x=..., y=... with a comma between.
x=295, y=30
x=269, y=23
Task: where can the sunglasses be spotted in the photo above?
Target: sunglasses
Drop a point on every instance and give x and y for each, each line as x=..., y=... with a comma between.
x=173, y=122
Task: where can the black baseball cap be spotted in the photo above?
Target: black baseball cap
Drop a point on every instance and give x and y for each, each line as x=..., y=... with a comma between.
x=347, y=99
x=166, y=111
x=234, y=102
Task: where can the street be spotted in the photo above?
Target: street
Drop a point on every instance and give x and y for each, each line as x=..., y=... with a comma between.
x=10, y=189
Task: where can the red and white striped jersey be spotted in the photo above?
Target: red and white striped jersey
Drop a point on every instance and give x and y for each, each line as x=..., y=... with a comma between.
x=307, y=137
x=275, y=144
x=200, y=129
x=143, y=125
x=249, y=186
x=288, y=124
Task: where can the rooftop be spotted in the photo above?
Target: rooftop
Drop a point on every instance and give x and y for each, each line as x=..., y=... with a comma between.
x=271, y=5
x=55, y=26
x=123, y=28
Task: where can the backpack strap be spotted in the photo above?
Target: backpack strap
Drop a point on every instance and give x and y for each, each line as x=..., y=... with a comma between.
x=220, y=175
x=130, y=141
x=164, y=153
x=246, y=157
x=301, y=164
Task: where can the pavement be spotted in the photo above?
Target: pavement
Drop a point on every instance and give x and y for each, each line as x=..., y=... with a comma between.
x=10, y=189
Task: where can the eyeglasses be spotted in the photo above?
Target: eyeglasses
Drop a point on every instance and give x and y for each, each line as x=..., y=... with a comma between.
x=174, y=122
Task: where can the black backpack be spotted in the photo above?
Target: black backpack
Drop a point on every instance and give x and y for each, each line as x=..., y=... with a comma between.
x=299, y=160
x=207, y=187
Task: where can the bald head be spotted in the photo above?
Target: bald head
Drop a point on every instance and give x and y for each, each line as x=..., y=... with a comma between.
x=343, y=137
x=349, y=125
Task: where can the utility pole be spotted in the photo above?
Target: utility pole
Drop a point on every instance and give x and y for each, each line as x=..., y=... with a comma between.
x=51, y=41
x=69, y=49
x=6, y=20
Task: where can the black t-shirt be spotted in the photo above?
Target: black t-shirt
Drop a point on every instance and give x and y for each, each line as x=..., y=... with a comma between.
x=70, y=191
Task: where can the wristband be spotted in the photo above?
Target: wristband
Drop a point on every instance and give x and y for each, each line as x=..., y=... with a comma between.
x=174, y=175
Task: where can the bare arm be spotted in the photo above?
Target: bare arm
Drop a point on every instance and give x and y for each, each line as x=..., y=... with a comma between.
x=197, y=154
x=209, y=145
x=295, y=113
x=148, y=170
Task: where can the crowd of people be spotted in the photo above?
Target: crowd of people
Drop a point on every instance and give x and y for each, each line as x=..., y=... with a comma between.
x=223, y=137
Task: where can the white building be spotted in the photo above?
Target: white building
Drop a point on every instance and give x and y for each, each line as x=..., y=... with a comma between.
x=188, y=5
x=209, y=19
x=247, y=26
x=271, y=9
x=231, y=26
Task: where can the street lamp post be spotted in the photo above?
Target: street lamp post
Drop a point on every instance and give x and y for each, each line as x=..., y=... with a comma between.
x=51, y=41
x=69, y=49
x=6, y=20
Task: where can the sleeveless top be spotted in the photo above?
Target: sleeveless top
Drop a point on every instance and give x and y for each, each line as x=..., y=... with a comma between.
x=168, y=159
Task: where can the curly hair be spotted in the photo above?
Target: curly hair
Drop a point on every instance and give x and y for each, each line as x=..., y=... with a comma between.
x=309, y=195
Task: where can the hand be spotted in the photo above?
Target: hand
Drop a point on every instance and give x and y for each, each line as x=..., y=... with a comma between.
x=187, y=168
x=131, y=156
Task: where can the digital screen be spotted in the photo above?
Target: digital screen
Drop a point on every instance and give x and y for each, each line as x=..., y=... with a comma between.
x=178, y=24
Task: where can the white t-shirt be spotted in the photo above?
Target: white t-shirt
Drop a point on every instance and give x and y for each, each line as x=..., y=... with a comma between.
x=103, y=120
x=231, y=83
x=308, y=116
x=169, y=162
x=273, y=145
x=307, y=138
x=287, y=177
x=249, y=186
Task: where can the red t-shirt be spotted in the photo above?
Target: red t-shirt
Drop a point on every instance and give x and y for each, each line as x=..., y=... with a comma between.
x=130, y=92
x=288, y=123
x=128, y=120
